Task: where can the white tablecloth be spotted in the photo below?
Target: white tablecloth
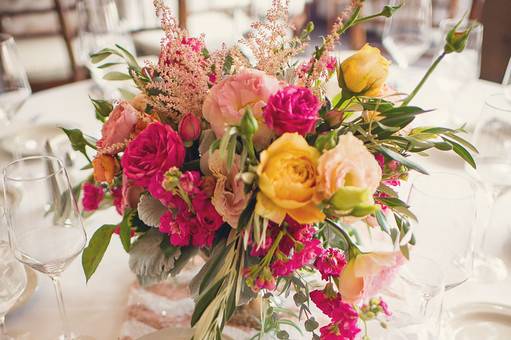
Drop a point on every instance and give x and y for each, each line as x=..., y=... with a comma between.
x=96, y=308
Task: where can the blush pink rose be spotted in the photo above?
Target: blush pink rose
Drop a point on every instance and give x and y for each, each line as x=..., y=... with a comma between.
x=226, y=102
x=119, y=126
x=229, y=196
x=156, y=149
x=348, y=164
x=367, y=274
x=292, y=109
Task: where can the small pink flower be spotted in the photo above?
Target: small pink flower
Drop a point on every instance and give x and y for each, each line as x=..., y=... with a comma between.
x=189, y=127
x=119, y=126
x=153, y=151
x=380, y=159
x=331, y=63
x=191, y=182
x=385, y=308
x=393, y=165
x=292, y=109
x=330, y=263
x=92, y=196
x=178, y=227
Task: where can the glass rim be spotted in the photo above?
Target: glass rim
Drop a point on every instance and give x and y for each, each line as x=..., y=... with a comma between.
x=4, y=37
x=461, y=196
x=61, y=169
x=451, y=22
x=489, y=101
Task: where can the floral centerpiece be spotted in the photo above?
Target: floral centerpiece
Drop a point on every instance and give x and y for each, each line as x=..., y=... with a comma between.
x=241, y=155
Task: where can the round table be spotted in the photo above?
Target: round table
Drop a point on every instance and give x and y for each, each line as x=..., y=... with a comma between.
x=97, y=308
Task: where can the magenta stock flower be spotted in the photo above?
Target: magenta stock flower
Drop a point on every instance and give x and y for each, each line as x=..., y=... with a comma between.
x=154, y=150
x=292, y=109
x=330, y=263
x=179, y=227
x=92, y=196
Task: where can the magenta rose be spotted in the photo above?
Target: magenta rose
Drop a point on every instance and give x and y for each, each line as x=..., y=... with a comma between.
x=157, y=148
x=119, y=126
x=292, y=109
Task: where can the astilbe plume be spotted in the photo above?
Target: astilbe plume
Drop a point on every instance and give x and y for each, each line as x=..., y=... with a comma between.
x=268, y=41
x=320, y=63
x=185, y=73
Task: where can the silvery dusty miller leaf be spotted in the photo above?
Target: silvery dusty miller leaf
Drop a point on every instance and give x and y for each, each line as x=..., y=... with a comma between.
x=150, y=210
x=148, y=262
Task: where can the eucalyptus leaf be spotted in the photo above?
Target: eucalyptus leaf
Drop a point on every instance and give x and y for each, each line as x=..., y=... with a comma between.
x=462, y=152
x=401, y=159
x=205, y=300
x=118, y=76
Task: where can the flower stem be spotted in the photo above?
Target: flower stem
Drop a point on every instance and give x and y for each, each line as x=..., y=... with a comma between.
x=423, y=80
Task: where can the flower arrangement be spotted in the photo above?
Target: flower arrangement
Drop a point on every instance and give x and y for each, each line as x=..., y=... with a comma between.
x=240, y=154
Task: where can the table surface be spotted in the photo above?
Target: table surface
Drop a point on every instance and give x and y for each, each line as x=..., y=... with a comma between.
x=97, y=308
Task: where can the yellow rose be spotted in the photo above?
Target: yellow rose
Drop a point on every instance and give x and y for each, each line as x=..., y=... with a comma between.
x=287, y=180
x=364, y=73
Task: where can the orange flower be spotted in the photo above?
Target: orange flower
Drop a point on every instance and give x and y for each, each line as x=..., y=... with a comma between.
x=105, y=167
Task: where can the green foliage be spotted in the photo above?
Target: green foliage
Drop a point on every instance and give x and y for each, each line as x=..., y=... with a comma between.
x=79, y=141
x=102, y=108
x=93, y=253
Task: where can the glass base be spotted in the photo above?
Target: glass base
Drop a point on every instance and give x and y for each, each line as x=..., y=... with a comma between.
x=489, y=269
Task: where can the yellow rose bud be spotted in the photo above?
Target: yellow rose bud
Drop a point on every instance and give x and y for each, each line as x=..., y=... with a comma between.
x=365, y=72
x=287, y=180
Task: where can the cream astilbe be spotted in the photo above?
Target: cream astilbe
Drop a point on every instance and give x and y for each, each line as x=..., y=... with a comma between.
x=268, y=41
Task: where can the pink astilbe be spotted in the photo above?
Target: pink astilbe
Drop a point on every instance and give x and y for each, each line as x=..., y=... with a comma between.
x=184, y=72
x=267, y=38
x=320, y=64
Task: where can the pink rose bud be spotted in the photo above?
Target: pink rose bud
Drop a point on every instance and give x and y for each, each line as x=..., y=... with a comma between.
x=189, y=127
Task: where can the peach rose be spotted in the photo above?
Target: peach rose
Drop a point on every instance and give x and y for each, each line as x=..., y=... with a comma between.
x=367, y=274
x=119, y=126
x=105, y=167
x=348, y=164
x=229, y=198
x=226, y=102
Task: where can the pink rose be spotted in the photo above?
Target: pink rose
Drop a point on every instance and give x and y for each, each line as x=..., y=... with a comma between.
x=189, y=127
x=129, y=195
x=119, y=126
x=226, y=102
x=92, y=196
x=292, y=109
x=348, y=164
x=156, y=149
x=229, y=197
x=367, y=274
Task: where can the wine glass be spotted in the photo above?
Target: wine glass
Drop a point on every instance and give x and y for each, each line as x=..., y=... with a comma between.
x=445, y=206
x=45, y=227
x=100, y=27
x=13, y=280
x=406, y=35
x=415, y=298
x=14, y=86
x=506, y=81
x=459, y=70
x=492, y=137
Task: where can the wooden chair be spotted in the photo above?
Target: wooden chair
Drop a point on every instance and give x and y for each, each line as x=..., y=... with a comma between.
x=64, y=33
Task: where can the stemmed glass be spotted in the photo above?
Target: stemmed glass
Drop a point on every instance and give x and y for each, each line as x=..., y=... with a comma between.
x=492, y=137
x=445, y=206
x=45, y=227
x=506, y=82
x=406, y=35
x=13, y=280
x=14, y=86
x=100, y=27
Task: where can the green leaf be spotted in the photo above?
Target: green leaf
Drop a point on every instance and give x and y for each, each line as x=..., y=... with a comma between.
x=401, y=159
x=387, y=190
x=128, y=95
x=311, y=324
x=247, y=213
x=187, y=253
x=114, y=75
x=102, y=108
x=392, y=202
x=100, y=56
x=205, y=300
x=462, y=152
x=382, y=221
x=461, y=141
x=211, y=267
x=93, y=253
x=405, y=251
x=125, y=230
x=130, y=59
x=107, y=65
x=79, y=141
x=228, y=62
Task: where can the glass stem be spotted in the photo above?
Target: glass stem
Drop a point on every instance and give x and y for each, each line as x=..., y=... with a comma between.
x=62, y=307
x=3, y=330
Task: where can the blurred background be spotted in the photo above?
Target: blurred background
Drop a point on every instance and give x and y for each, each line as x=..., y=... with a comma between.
x=55, y=37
